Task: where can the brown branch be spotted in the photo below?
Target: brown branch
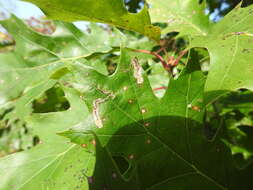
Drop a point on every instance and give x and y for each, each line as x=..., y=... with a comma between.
x=176, y=61
x=160, y=88
x=164, y=63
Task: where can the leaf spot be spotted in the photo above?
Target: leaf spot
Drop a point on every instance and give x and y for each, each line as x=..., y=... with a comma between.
x=196, y=108
x=90, y=180
x=148, y=141
x=130, y=101
x=147, y=124
x=114, y=175
x=131, y=156
x=94, y=142
x=143, y=110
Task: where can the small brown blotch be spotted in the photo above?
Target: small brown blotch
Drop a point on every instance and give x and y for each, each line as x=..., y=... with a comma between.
x=148, y=141
x=239, y=33
x=94, y=142
x=131, y=156
x=195, y=108
x=143, y=110
x=146, y=124
x=125, y=88
x=114, y=175
x=90, y=180
x=130, y=101
x=84, y=145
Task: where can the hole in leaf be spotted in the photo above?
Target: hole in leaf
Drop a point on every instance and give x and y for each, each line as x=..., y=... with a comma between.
x=122, y=164
x=134, y=6
x=111, y=63
x=53, y=100
x=204, y=59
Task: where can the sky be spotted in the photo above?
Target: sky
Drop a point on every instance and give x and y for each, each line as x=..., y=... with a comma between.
x=26, y=10
x=21, y=9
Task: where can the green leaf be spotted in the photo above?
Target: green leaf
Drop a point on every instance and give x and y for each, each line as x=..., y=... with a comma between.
x=142, y=142
x=186, y=17
x=235, y=111
x=162, y=139
x=109, y=12
x=230, y=47
x=54, y=163
x=45, y=55
x=229, y=42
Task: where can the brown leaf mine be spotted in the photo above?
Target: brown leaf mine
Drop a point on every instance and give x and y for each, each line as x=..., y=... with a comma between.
x=137, y=71
x=96, y=103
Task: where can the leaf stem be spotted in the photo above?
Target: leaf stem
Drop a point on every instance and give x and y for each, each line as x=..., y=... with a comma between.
x=164, y=63
x=160, y=88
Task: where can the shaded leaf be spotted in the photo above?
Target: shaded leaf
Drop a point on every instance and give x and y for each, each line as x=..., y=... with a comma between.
x=163, y=140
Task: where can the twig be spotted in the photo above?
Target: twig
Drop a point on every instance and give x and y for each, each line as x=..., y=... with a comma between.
x=164, y=63
x=174, y=62
x=160, y=88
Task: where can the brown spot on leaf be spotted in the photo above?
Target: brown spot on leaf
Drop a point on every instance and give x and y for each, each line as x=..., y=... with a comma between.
x=130, y=101
x=131, y=156
x=143, y=110
x=147, y=124
x=94, y=142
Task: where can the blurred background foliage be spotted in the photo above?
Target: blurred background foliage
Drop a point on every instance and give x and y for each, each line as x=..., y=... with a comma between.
x=233, y=112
